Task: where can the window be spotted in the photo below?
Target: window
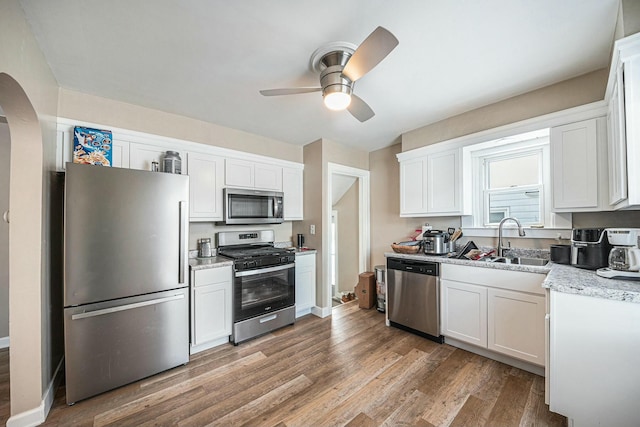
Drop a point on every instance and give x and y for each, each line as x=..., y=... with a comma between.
x=512, y=186
x=511, y=178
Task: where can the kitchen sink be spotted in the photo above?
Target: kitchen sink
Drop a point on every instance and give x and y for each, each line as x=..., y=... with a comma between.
x=519, y=260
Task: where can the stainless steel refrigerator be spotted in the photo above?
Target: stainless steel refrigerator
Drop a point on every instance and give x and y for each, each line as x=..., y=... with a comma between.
x=126, y=299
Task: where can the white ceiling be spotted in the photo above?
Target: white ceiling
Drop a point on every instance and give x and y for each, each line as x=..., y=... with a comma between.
x=208, y=59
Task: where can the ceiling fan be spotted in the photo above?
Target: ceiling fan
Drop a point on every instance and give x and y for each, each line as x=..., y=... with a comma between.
x=340, y=65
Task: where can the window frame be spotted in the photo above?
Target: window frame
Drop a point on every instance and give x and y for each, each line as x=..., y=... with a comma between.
x=486, y=192
x=513, y=147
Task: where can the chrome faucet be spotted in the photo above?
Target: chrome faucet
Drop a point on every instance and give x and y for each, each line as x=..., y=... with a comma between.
x=521, y=233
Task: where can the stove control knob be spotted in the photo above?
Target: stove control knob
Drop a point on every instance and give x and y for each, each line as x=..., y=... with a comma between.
x=251, y=264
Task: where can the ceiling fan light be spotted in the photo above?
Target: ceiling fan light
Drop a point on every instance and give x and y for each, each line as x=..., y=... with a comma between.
x=337, y=101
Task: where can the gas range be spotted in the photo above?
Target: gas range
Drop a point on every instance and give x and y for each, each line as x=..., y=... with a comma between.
x=263, y=282
x=248, y=257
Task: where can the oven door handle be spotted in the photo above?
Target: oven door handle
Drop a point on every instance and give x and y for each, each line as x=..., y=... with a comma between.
x=264, y=270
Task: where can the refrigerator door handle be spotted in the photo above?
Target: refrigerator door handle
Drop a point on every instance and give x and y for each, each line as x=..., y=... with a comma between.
x=116, y=309
x=182, y=240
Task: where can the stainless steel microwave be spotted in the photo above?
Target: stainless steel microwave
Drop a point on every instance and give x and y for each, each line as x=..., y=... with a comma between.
x=252, y=206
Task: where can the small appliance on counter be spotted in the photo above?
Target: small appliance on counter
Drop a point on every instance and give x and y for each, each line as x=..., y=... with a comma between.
x=437, y=242
x=560, y=254
x=300, y=241
x=624, y=258
x=590, y=248
x=204, y=248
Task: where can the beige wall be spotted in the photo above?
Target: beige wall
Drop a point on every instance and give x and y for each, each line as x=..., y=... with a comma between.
x=348, y=251
x=569, y=93
x=387, y=226
x=94, y=109
x=317, y=156
x=630, y=16
x=313, y=202
x=5, y=157
x=29, y=98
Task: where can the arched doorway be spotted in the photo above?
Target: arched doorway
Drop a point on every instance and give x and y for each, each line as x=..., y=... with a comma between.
x=25, y=252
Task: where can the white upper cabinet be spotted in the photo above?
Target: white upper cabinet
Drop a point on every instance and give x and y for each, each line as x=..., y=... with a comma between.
x=64, y=149
x=444, y=190
x=412, y=187
x=431, y=185
x=206, y=181
x=617, y=146
x=292, y=187
x=623, y=95
x=141, y=156
x=247, y=174
x=579, y=166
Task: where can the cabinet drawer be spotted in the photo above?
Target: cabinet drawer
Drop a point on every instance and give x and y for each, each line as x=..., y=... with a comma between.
x=212, y=275
x=521, y=281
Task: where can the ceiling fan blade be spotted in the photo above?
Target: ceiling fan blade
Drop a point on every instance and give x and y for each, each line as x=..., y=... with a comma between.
x=289, y=91
x=369, y=54
x=360, y=109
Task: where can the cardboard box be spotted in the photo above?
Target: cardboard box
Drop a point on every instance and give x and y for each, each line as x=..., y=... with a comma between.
x=366, y=290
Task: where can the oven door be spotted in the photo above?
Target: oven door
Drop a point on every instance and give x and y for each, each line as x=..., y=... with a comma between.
x=263, y=290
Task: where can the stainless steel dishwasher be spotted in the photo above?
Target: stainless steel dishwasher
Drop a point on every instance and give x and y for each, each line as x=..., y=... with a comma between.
x=413, y=296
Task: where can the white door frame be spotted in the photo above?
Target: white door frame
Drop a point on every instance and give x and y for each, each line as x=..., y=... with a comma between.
x=334, y=243
x=363, y=226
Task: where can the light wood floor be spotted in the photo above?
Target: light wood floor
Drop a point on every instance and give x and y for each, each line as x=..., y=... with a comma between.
x=348, y=369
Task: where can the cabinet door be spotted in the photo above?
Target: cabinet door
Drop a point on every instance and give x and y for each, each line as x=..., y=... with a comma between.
x=516, y=325
x=574, y=157
x=443, y=193
x=464, y=312
x=412, y=187
x=142, y=155
x=239, y=173
x=617, y=146
x=305, y=283
x=267, y=177
x=120, y=154
x=212, y=312
x=206, y=176
x=292, y=186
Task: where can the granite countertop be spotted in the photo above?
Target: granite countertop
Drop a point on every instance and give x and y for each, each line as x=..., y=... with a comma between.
x=303, y=251
x=560, y=278
x=213, y=262
x=483, y=264
x=572, y=280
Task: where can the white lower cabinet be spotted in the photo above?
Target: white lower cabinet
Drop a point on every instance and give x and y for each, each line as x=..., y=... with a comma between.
x=211, y=307
x=305, y=283
x=594, y=353
x=499, y=310
x=516, y=324
x=464, y=312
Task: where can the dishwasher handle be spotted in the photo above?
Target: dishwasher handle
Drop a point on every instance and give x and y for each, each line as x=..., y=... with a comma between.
x=414, y=266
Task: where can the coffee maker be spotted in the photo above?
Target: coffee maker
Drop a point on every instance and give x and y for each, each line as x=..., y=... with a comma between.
x=624, y=258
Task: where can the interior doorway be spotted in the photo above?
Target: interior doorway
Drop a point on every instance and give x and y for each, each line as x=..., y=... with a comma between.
x=347, y=231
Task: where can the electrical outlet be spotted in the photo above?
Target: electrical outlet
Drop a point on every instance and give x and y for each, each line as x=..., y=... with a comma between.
x=312, y=229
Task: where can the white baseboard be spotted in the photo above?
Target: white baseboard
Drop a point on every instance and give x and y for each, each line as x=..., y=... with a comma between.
x=4, y=342
x=321, y=312
x=37, y=416
x=206, y=346
x=520, y=364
